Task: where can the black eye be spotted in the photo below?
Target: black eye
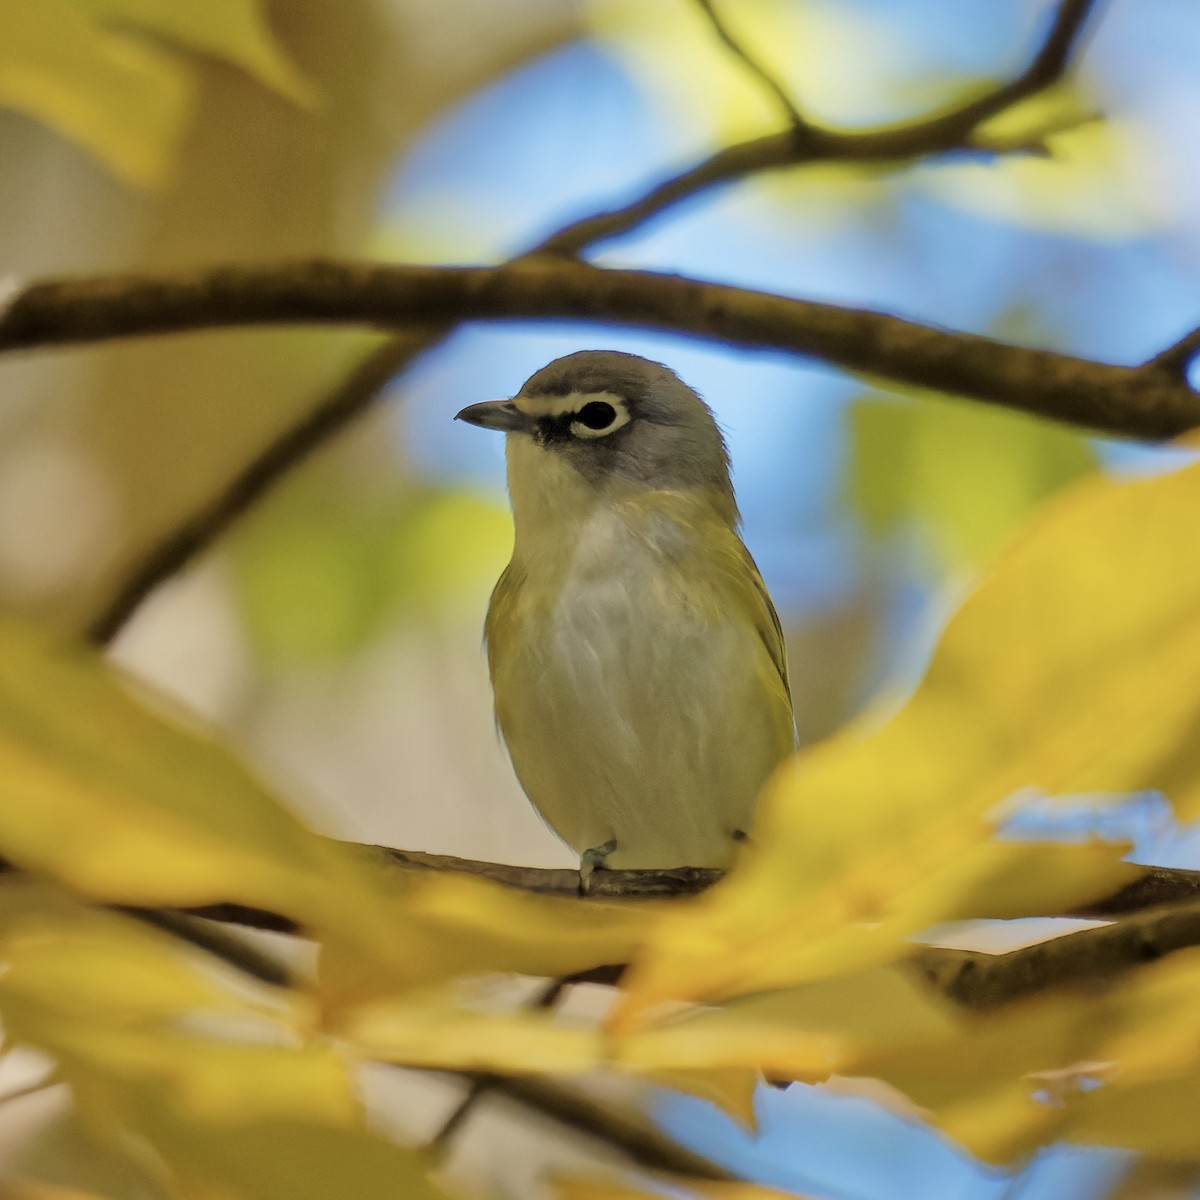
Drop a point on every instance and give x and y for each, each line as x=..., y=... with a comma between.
x=596, y=415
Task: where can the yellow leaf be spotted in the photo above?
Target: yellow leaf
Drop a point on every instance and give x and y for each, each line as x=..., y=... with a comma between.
x=286, y=1160
x=1157, y=1118
x=596, y=1187
x=805, y=1033
x=64, y=959
x=235, y=30
x=125, y=806
x=1071, y=668
x=731, y=1089
x=1119, y=1066
x=432, y=1030
x=440, y=925
x=126, y=101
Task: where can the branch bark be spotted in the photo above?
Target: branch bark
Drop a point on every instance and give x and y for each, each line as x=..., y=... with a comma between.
x=1149, y=401
x=1155, y=914
x=978, y=980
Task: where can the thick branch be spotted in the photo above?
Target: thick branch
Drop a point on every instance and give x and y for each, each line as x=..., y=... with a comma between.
x=975, y=979
x=1146, y=402
x=978, y=980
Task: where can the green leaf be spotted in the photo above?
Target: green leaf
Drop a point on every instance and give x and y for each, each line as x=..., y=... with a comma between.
x=965, y=473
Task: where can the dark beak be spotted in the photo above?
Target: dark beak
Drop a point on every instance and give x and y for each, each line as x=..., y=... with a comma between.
x=496, y=414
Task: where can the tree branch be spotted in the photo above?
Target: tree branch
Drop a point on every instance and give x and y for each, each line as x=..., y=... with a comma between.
x=975, y=979
x=1145, y=402
x=643, y=1144
x=940, y=133
x=199, y=530
x=1155, y=887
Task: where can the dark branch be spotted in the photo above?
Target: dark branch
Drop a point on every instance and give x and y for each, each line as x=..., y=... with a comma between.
x=1155, y=887
x=643, y=1144
x=199, y=530
x=1154, y=915
x=547, y=998
x=978, y=980
x=1144, y=402
x=942, y=133
x=790, y=112
x=204, y=935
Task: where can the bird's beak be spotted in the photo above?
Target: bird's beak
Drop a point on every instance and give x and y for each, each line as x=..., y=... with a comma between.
x=495, y=414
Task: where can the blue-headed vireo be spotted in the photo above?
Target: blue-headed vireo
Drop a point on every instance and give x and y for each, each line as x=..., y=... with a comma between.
x=637, y=661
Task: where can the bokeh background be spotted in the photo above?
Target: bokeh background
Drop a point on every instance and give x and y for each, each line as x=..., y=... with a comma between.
x=335, y=634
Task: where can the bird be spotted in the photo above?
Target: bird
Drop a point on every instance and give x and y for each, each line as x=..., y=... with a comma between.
x=637, y=662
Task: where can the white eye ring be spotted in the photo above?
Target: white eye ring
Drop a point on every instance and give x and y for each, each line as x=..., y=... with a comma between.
x=620, y=417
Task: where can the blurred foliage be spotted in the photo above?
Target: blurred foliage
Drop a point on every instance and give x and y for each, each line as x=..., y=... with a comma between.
x=963, y=473
x=864, y=841
x=319, y=577
x=233, y=130
x=104, y=72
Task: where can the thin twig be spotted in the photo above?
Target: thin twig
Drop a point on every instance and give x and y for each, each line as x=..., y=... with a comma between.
x=546, y=998
x=644, y=1145
x=1144, y=402
x=200, y=529
x=216, y=942
x=942, y=133
x=790, y=112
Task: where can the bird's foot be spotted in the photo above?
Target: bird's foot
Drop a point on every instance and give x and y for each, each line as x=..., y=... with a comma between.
x=593, y=860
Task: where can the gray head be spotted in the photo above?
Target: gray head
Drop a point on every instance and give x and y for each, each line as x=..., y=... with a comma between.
x=617, y=416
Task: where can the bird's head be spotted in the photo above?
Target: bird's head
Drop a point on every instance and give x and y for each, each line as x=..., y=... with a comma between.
x=614, y=420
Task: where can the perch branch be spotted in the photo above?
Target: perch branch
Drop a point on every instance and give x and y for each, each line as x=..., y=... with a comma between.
x=1155, y=914
x=1145, y=401
x=1155, y=887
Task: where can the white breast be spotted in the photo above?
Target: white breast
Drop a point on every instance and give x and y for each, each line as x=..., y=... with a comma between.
x=638, y=703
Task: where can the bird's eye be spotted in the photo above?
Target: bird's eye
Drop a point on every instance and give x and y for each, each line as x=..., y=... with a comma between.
x=597, y=415
x=598, y=418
